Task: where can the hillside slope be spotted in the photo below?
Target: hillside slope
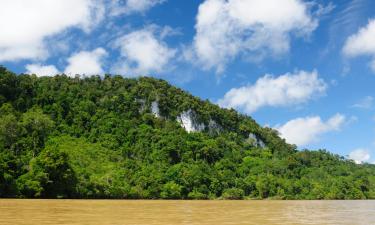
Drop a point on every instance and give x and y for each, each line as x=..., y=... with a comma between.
x=114, y=137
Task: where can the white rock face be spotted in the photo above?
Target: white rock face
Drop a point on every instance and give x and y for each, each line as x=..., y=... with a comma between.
x=155, y=109
x=257, y=141
x=187, y=119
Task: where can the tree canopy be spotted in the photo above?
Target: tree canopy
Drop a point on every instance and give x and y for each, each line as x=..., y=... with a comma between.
x=101, y=137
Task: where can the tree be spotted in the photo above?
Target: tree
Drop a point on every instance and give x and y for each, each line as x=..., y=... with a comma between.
x=233, y=194
x=94, y=137
x=50, y=176
x=36, y=127
x=171, y=190
x=9, y=131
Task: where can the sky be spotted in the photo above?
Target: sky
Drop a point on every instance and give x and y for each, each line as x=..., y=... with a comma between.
x=305, y=68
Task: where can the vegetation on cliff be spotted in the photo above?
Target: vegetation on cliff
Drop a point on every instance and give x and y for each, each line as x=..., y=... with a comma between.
x=114, y=137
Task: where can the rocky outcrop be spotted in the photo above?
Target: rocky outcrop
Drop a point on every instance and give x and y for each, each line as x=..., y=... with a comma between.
x=188, y=120
x=256, y=141
x=214, y=127
x=155, y=109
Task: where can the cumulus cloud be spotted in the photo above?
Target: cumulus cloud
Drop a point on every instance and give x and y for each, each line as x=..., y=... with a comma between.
x=285, y=90
x=362, y=43
x=143, y=52
x=86, y=63
x=227, y=28
x=119, y=7
x=25, y=25
x=359, y=155
x=303, y=131
x=41, y=70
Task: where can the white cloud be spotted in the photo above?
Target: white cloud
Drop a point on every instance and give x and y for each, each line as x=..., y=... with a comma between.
x=303, y=131
x=228, y=28
x=119, y=7
x=25, y=25
x=362, y=43
x=285, y=90
x=86, y=63
x=359, y=155
x=143, y=52
x=365, y=103
x=41, y=70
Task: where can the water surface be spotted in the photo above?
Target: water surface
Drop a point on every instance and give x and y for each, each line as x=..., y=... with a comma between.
x=154, y=212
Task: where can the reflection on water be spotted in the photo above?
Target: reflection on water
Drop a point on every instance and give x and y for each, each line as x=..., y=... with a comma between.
x=121, y=212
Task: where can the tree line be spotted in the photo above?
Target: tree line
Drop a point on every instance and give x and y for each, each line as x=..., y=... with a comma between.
x=96, y=137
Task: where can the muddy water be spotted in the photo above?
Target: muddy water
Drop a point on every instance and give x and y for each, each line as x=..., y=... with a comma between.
x=152, y=212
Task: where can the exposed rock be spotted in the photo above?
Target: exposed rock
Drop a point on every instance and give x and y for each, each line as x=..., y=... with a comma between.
x=188, y=120
x=155, y=109
x=257, y=141
x=214, y=127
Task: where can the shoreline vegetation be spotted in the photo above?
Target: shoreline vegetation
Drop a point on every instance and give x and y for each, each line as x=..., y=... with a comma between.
x=117, y=138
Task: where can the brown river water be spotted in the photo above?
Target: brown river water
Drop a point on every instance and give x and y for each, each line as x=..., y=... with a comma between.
x=155, y=212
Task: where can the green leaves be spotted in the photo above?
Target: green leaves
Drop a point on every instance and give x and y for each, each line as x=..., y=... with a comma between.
x=171, y=190
x=98, y=138
x=233, y=194
x=50, y=175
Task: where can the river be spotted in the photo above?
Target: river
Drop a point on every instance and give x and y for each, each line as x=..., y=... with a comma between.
x=155, y=212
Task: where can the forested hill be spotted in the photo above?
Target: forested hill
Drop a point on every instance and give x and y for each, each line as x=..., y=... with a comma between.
x=114, y=137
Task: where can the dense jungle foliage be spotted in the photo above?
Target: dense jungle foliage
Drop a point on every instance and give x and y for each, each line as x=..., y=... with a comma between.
x=95, y=137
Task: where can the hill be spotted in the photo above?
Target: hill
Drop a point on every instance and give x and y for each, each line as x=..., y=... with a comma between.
x=142, y=138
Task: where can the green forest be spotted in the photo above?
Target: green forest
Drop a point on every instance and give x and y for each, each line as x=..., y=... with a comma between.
x=121, y=138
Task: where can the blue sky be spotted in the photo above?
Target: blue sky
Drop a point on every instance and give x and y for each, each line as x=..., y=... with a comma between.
x=306, y=68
